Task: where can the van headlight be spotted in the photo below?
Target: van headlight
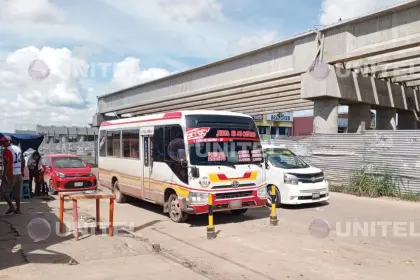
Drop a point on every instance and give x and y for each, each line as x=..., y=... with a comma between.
x=262, y=192
x=198, y=198
x=322, y=176
x=290, y=179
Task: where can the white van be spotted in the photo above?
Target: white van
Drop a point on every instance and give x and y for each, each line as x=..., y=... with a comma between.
x=296, y=181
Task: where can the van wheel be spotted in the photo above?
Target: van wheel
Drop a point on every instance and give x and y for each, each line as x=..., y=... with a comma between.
x=278, y=197
x=119, y=197
x=175, y=212
x=239, y=212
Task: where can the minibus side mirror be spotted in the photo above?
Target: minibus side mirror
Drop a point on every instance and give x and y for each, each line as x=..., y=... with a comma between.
x=184, y=163
x=195, y=173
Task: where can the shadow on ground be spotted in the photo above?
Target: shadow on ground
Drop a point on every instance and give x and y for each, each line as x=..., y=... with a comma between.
x=221, y=217
x=17, y=246
x=305, y=206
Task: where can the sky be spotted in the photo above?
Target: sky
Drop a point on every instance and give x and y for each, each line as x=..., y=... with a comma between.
x=57, y=56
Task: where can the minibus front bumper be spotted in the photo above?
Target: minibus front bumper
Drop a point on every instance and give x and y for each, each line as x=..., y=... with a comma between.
x=222, y=202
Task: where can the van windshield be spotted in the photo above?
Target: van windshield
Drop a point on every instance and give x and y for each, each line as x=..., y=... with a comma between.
x=283, y=158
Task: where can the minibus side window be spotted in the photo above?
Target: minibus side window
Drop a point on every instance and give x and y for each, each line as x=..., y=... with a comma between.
x=130, y=143
x=166, y=141
x=102, y=143
x=113, y=144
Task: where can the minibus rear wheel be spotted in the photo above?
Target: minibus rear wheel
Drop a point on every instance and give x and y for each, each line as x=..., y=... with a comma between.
x=119, y=197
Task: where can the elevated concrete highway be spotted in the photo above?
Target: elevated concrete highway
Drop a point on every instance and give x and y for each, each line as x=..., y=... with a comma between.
x=383, y=46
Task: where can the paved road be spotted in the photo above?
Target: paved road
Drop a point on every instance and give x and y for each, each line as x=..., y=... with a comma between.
x=96, y=257
x=248, y=248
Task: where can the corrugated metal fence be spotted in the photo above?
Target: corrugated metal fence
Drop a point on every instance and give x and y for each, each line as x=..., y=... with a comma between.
x=340, y=155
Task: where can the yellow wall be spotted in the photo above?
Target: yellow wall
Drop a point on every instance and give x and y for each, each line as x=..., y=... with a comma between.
x=264, y=122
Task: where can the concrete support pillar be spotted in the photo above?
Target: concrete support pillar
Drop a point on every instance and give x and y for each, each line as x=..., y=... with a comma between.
x=359, y=117
x=386, y=119
x=325, y=115
x=407, y=120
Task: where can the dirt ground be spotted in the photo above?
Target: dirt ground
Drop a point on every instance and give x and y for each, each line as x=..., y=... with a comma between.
x=246, y=247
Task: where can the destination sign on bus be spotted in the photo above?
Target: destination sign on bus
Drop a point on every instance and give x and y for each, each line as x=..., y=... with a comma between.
x=206, y=134
x=236, y=133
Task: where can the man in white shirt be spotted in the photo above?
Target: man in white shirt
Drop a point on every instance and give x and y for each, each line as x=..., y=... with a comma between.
x=12, y=173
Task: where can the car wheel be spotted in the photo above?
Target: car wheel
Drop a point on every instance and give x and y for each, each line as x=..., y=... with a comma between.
x=175, y=212
x=278, y=197
x=239, y=212
x=119, y=197
x=51, y=189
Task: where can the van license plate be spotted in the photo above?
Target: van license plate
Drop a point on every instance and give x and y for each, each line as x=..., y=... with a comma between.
x=78, y=184
x=315, y=196
x=235, y=204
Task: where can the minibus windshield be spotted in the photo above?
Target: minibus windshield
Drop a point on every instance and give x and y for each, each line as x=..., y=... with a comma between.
x=223, y=140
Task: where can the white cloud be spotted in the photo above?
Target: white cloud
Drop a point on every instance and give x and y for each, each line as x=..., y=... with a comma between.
x=39, y=22
x=192, y=10
x=67, y=95
x=171, y=33
x=33, y=10
x=333, y=10
x=39, y=101
x=128, y=73
x=249, y=43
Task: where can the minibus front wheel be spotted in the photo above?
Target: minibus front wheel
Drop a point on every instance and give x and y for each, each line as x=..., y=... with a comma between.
x=175, y=212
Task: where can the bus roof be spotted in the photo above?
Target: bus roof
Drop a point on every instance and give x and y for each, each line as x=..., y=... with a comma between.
x=171, y=115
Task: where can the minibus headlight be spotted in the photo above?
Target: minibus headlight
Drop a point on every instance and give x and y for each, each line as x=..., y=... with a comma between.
x=262, y=192
x=198, y=198
x=290, y=179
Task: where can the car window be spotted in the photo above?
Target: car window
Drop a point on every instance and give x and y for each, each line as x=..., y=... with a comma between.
x=45, y=161
x=68, y=162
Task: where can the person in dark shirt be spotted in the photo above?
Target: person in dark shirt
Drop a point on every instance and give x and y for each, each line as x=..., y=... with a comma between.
x=34, y=168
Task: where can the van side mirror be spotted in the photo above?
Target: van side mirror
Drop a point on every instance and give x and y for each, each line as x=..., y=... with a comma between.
x=195, y=173
x=89, y=165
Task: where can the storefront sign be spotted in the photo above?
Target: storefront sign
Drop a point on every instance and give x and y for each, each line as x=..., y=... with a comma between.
x=280, y=117
x=257, y=117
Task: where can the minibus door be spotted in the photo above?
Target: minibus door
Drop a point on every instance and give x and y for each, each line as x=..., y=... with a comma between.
x=146, y=134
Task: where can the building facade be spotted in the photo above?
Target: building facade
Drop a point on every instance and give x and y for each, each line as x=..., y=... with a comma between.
x=303, y=126
x=272, y=125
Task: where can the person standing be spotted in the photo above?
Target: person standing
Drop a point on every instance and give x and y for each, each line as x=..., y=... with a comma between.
x=13, y=166
x=34, y=168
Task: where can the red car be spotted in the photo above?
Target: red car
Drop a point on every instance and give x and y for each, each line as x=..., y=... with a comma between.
x=67, y=173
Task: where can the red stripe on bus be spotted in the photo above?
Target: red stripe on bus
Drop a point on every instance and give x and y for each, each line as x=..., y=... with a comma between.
x=166, y=116
x=223, y=177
